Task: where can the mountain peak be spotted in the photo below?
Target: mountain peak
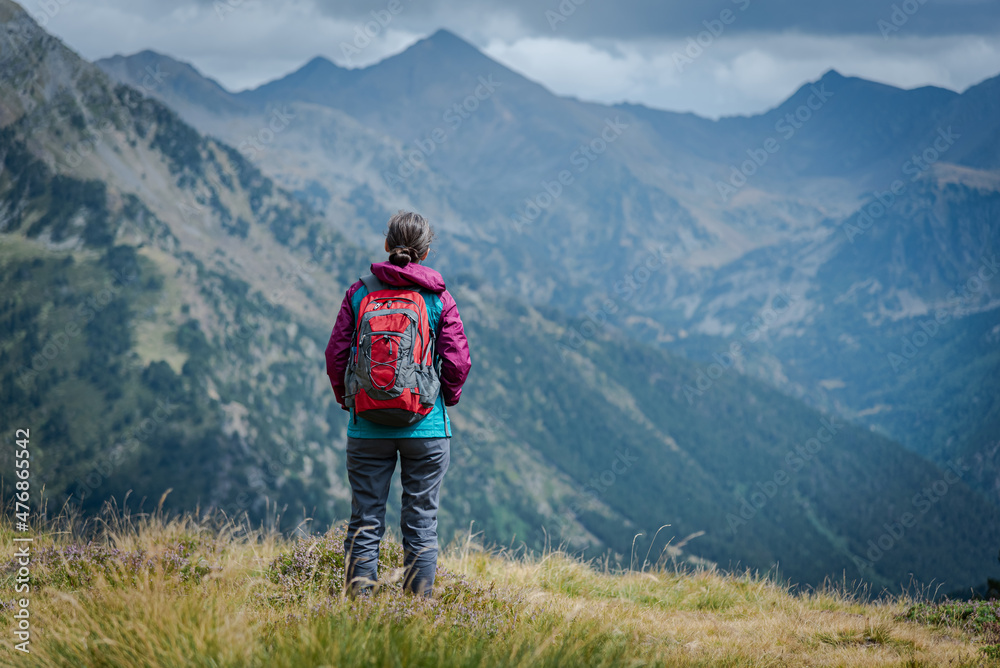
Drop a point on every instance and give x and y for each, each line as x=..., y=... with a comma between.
x=156, y=55
x=319, y=64
x=311, y=82
x=441, y=57
x=443, y=36
x=444, y=42
x=169, y=79
x=150, y=58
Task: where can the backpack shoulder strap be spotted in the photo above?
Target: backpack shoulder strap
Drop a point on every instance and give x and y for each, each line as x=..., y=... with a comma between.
x=373, y=283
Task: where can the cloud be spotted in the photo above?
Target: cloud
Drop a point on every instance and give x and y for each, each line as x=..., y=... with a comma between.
x=741, y=74
x=239, y=43
x=605, y=51
x=629, y=19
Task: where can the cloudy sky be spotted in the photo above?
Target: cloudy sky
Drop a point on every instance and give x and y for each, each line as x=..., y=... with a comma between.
x=714, y=57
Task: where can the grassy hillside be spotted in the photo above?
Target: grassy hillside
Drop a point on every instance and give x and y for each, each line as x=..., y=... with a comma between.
x=145, y=591
x=141, y=365
x=165, y=307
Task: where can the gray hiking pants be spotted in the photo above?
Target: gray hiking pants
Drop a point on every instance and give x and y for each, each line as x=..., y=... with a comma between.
x=370, y=465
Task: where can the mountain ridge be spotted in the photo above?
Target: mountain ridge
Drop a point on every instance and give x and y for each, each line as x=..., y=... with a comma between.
x=442, y=37
x=238, y=281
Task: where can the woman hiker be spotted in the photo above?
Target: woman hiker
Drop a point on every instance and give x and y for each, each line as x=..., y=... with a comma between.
x=397, y=358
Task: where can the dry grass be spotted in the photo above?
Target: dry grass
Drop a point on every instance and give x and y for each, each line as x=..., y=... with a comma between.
x=147, y=591
x=712, y=618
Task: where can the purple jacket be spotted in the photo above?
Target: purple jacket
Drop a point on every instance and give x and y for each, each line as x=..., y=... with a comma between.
x=451, y=345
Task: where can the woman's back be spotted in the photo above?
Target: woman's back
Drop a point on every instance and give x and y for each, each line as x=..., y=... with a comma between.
x=423, y=446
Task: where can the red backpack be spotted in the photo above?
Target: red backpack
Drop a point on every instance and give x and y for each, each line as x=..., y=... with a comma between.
x=391, y=378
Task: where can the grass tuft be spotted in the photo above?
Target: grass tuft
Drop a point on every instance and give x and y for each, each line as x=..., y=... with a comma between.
x=979, y=620
x=196, y=591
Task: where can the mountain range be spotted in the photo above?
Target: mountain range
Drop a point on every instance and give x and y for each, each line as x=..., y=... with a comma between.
x=792, y=201
x=656, y=341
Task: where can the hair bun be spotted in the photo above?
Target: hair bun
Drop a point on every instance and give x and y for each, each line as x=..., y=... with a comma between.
x=401, y=256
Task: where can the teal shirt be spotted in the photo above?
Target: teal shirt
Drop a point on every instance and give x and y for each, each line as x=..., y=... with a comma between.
x=436, y=424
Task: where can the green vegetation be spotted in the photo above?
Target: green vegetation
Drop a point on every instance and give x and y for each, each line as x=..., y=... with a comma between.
x=979, y=620
x=50, y=203
x=251, y=425
x=103, y=419
x=147, y=590
x=705, y=465
x=929, y=379
x=152, y=350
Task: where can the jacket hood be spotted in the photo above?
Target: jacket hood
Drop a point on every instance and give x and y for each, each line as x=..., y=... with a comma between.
x=412, y=274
